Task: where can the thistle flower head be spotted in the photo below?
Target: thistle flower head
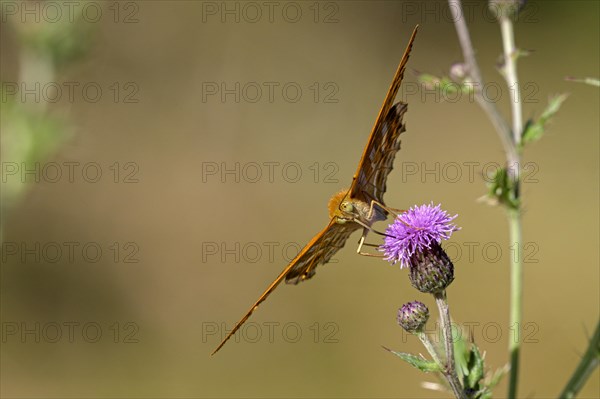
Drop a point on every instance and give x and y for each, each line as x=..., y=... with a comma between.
x=415, y=231
x=412, y=316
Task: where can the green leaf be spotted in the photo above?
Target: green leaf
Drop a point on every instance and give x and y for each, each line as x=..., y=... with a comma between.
x=485, y=395
x=443, y=85
x=520, y=53
x=476, y=368
x=63, y=41
x=429, y=81
x=484, y=390
x=502, y=189
x=589, y=362
x=498, y=374
x=29, y=136
x=587, y=81
x=425, y=365
x=461, y=356
x=534, y=130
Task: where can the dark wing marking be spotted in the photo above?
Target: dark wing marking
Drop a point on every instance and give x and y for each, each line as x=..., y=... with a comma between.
x=331, y=240
x=378, y=157
x=318, y=251
x=370, y=181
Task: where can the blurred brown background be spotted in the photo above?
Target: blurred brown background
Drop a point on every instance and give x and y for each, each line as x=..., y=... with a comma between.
x=161, y=137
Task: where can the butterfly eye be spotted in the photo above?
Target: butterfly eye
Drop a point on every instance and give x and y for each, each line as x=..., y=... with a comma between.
x=347, y=207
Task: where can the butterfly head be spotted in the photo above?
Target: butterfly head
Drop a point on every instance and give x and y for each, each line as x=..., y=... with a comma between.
x=341, y=208
x=346, y=212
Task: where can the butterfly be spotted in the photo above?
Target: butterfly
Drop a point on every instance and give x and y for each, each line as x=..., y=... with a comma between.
x=357, y=207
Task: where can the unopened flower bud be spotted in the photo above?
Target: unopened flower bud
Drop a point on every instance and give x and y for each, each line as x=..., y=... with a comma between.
x=431, y=270
x=412, y=316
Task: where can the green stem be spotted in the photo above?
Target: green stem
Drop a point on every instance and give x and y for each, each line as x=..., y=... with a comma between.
x=453, y=382
x=516, y=300
x=512, y=80
x=489, y=107
x=511, y=139
x=449, y=369
x=586, y=366
x=514, y=214
x=430, y=348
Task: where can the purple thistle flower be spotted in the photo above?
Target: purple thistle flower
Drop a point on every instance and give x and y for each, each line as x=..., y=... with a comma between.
x=416, y=230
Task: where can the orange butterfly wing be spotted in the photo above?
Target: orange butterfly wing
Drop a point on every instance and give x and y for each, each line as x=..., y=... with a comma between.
x=318, y=251
x=369, y=182
x=370, y=179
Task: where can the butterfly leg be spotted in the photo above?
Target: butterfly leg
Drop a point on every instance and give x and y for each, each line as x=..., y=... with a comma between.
x=388, y=209
x=370, y=254
x=393, y=211
x=362, y=242
x=397, y=210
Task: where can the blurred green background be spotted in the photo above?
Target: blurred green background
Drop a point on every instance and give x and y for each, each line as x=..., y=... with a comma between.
x=186, y=246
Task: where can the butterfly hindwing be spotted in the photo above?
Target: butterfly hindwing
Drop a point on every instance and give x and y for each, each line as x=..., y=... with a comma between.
x=319, y=251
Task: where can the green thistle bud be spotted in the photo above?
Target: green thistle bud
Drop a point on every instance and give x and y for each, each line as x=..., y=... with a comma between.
x=412, y=316
x=431, y=270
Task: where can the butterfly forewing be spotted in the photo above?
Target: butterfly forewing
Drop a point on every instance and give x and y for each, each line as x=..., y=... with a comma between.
x=369, y=183
x=377, y=158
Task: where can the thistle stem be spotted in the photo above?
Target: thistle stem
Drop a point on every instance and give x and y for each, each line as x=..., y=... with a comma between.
x=511, y=139
x=449, y=369
x=454, y=384
x=487, y=106
x=510, y=74
x=586, y=366
x=514, y=215
x=516, y=300
x=424, y=338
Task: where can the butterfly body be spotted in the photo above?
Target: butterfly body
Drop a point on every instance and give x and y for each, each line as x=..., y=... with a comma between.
x=358, y=207
x=344, y=209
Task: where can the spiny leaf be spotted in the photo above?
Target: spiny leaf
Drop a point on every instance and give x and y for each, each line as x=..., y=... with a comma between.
x=416, y=361
x=485, y=395
x=587, y=81
x=461, y=356
x=502, y=189
x=498, y=374
x=519, y=53
x=476, y=368
x=534, y=130
x=443, y=85
x=484, y=390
